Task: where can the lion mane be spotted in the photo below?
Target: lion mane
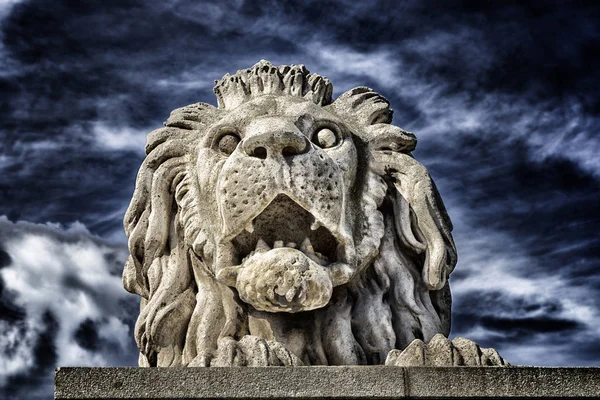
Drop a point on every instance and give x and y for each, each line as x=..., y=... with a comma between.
x=398, y=291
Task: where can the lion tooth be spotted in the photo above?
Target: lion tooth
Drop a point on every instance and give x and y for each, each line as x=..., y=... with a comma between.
x=291, y=245
x=199, y=243
x=261, y=245
x=307, y=246
x=250, y=227
x=277, y=244
x=321, y=257
x=289, y=296
x=315, y=225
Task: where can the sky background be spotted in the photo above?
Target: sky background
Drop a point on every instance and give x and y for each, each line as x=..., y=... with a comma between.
x=502, y=96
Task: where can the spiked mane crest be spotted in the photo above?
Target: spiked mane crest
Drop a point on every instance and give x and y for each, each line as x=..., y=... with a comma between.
x=264, y=78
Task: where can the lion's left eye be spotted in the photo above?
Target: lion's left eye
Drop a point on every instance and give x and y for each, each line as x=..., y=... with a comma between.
x=228, y=143
x=325, y=138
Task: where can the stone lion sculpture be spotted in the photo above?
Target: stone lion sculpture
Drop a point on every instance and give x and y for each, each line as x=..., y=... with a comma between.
x=287, y=228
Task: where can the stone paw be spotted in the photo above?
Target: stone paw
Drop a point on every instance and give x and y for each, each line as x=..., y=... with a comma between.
x=252, y=351
x=443, y=352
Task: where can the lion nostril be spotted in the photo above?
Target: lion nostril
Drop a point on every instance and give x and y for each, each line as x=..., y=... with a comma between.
x=260, y=152
x=289, y=151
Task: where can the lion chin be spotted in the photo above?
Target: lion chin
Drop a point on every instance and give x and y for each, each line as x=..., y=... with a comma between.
x=284, y=227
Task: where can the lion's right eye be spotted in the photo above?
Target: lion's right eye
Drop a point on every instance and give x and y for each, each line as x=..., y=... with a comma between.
x=325, y=138
x=228, y=143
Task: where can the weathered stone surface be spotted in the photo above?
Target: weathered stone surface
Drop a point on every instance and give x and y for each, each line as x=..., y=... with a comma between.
x=372, y=382
x=284, y=227
x=520, y=382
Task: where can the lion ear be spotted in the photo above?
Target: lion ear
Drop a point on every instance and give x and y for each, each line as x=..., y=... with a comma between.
x=362, y=106
x=422, y=223
x=196, y=116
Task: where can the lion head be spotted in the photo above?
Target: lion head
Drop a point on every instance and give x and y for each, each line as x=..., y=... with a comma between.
x=288, y=216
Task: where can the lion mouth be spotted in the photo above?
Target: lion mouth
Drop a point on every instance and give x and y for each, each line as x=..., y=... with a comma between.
x=284, y=223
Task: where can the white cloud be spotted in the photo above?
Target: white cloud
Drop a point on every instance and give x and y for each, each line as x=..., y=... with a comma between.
x=114, y=330
x=18, y=343
x=64, y=271
x=119, y=138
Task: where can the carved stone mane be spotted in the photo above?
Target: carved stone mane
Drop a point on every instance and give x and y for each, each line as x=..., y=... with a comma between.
x=284, y=228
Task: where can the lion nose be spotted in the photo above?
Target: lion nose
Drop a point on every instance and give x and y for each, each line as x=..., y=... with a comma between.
x=286, y=144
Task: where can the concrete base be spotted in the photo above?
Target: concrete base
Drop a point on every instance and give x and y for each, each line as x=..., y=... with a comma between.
x=352, y=382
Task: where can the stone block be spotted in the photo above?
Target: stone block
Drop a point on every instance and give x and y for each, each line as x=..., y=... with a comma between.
x=347, y=382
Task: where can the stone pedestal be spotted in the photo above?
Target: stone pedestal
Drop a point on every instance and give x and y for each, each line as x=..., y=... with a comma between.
x=349, y=382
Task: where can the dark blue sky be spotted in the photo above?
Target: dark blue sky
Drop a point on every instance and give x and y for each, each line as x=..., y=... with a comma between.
x=501, y=95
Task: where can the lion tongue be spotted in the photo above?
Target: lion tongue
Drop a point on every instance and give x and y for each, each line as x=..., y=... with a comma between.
x=228, y=275
x=283, y=279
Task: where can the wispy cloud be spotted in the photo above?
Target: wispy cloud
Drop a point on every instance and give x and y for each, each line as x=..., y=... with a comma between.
x=9, y=66
x=551, y=128
x=495, y=281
